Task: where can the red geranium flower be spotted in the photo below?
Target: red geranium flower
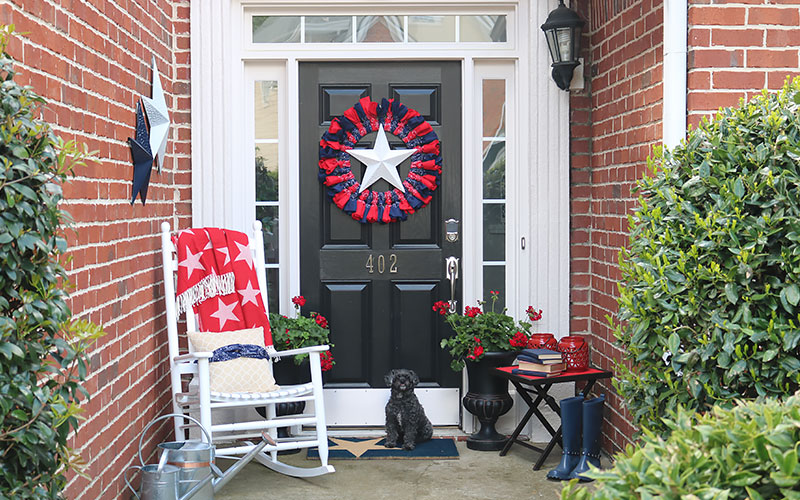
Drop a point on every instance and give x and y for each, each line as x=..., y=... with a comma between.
x=441, y=307
x=519, y=340
x=321, y=321
x=477, y=351
x=472, y=311
x=299, y=301
x=477, y=339
x=326, y=360
x=533, y=314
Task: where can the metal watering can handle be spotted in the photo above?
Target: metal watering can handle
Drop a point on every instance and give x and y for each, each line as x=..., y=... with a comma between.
x=170, y=415
x=128, y=482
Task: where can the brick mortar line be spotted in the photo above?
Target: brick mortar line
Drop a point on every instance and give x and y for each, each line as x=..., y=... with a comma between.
x=112, y=83
x=99, y=434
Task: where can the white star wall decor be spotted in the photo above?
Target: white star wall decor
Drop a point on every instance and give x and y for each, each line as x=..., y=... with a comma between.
x=381, y=162
x=158, y=117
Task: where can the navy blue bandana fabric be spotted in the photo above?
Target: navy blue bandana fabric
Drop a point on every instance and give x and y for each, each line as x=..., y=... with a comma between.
x=233, y=351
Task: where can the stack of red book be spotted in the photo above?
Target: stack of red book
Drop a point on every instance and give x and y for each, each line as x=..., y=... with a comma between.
x=539, y=363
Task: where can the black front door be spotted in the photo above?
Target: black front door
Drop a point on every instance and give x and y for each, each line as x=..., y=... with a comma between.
x=376, y=282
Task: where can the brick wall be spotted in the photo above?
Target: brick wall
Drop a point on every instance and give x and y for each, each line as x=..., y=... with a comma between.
x=91, y=61
x=738, y=48
x=614, y=124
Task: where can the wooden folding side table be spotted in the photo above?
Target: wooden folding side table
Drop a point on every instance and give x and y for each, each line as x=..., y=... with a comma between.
x=539, y=386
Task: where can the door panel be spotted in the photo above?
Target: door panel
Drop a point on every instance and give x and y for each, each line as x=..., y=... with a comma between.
x=377, y=282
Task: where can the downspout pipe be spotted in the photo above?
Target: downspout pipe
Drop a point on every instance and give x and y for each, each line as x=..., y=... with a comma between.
x=675, y=43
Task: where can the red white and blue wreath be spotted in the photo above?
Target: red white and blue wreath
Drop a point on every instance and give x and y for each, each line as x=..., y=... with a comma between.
x=409, y=195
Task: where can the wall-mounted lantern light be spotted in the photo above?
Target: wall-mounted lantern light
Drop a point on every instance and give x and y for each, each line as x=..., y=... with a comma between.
x=563, y=33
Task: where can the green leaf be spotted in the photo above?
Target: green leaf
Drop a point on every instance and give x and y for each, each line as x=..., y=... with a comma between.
x=792, y=294
x=738, y=188
x=674, y=343
x=10, y=350
x=731, y=293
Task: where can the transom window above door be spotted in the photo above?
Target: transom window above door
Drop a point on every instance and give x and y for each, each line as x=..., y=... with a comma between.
x=403, y=29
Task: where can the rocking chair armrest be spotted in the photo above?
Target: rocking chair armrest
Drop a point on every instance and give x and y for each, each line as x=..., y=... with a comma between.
x=192, y=356
x=303, y=350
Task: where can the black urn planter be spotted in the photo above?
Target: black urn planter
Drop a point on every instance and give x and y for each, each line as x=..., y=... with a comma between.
x=488, y=399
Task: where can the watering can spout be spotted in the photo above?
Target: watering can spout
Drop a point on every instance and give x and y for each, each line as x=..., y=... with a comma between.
x=235, y=468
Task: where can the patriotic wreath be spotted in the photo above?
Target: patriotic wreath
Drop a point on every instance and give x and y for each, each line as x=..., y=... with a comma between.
x=371, y=206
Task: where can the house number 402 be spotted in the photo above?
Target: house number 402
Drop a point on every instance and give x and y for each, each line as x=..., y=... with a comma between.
x=379, y=262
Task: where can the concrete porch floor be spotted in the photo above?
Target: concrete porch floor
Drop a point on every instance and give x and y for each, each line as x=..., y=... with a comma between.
x=474, y=475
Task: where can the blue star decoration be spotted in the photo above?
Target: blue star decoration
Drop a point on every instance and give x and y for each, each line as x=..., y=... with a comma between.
x=141, y=155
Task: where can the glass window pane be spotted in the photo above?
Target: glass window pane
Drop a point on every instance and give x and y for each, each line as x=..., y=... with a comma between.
x=329, y=29
x=483, y=28
x=494, y=231
x=494, y=280
x=431, y=28
x=267, y=172
x=494, y=108
x=379, y=29
x=494, y=170
x=269, y=220
x=266, y=109
x=276, y=29
x=273, y=292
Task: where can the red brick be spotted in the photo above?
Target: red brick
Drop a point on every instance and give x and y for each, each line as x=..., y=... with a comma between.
x=776, y=79
x=737, y=37
x=783, y=37
x=774, y=15
x=771, y=58
x=716, y=58
x=716, y=15
x=739, y=80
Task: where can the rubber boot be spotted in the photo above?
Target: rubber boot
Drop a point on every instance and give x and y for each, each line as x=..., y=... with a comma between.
x=571, y=411
x=592, y=425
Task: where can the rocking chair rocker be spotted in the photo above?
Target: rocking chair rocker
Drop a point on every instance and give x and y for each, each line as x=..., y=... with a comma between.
x=230, y=417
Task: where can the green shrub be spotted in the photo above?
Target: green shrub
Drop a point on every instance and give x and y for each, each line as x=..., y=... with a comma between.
x=749, y=451
x=42, y=350
x=708, y=306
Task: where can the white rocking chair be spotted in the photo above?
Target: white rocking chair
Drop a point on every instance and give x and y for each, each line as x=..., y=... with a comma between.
x=235, y=438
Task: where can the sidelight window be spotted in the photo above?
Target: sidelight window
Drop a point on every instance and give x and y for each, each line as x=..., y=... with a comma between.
x=266, y=179
x=494, y=187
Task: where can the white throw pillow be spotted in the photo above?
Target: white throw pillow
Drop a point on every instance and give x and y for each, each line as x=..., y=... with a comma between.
x=236, y=375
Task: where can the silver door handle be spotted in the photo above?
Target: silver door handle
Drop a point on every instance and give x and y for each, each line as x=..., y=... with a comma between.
x=451, y=271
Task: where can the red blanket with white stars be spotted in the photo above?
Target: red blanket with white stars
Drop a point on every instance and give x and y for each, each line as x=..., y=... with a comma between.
x=217, y=279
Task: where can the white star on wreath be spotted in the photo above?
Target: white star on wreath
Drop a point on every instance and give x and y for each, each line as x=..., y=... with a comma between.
x=381, y=162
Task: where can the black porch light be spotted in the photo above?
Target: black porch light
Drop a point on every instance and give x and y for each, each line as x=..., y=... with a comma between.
x=563, y=33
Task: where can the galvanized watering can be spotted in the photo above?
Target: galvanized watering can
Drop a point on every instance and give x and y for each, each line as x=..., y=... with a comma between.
x=186, y=468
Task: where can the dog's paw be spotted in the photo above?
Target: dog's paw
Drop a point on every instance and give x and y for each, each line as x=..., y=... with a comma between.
x=390, y=444
x=409, y=446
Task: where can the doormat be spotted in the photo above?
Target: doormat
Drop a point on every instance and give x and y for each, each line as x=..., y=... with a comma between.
x=373, y=449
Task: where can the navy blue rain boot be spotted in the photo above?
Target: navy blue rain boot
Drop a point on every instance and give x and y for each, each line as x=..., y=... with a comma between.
x=592, y=424
x=571, y=410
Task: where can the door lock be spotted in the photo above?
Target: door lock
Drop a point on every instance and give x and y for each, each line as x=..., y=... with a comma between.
x=451, y=271
x=451, y=229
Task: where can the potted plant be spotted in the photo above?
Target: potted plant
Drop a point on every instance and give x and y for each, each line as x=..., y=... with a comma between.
x=484, y=339
x=294, y=333
x=301, y=331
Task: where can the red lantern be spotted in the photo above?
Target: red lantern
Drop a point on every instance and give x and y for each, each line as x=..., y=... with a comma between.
x=543, y=341
x=575, y=352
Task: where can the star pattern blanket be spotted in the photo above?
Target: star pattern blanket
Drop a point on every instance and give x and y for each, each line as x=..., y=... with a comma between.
x=217, y=279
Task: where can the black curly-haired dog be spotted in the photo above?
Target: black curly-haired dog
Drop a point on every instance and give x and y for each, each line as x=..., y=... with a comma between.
x=405, y=417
